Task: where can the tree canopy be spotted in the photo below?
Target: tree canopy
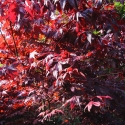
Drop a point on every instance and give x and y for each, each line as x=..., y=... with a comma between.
x=62, y=62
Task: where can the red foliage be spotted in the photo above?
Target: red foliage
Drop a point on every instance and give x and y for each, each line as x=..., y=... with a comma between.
x=61, y=57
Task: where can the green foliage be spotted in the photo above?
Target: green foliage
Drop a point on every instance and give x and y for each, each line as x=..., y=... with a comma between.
x=1, y=65
x=95, y=32
x=120, y=8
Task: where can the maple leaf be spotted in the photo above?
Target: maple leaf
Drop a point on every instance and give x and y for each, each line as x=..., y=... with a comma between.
x=75, y=100
x=90, y=104
x=103, y=97
x=52, y=113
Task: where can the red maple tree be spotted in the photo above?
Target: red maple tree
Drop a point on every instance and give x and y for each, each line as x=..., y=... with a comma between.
x=62, y=57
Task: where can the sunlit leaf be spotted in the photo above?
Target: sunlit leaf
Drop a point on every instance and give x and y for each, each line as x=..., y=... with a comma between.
x=89, y=37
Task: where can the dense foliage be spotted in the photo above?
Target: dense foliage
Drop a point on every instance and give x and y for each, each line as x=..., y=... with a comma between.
x=62, y=62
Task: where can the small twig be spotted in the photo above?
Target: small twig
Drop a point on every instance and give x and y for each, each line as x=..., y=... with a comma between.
x=107, y=74
x=16, y=51
x=5, y=41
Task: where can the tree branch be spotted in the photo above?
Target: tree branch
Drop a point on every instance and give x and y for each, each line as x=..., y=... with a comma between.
x=5, y=41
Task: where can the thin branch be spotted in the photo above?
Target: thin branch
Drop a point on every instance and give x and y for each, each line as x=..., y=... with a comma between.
x=16, y=51
x=115, y=73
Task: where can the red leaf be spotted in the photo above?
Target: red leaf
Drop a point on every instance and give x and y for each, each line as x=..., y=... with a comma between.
x=47, y=67
x=89, y=105
x=103, y=97
x=41, y=114
x=70, y=69
x=64, y=54
x=89, y=54
x=109, y=7
x=29, y=11
x=12, y=12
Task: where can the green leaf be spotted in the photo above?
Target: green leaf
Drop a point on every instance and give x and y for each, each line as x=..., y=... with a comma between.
x=1, y=65
x=117, y=4
x=95, y=32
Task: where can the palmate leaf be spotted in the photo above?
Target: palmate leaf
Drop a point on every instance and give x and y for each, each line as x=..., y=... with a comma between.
x=52, y=113
x=97, y=103
x=90, y=104
x=104, y=97
x=75, y=100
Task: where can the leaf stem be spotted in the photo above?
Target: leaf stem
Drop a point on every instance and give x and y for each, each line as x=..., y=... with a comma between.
x=107, y=74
